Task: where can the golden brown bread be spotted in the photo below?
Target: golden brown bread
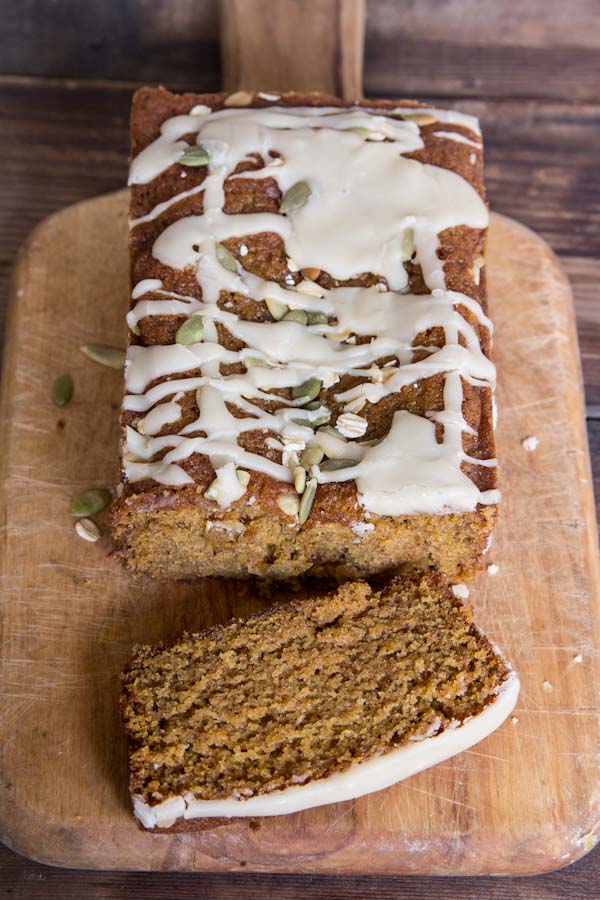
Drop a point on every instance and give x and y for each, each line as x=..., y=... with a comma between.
x=178, y=532
x=304, y=690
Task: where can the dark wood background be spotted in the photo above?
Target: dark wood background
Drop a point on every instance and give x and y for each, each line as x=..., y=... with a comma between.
x=530, y=69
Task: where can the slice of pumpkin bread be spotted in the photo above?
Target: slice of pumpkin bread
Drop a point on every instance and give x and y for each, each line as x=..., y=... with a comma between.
x=310, y=702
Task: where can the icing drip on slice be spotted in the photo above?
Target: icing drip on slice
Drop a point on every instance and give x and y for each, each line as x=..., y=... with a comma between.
x=365, y=208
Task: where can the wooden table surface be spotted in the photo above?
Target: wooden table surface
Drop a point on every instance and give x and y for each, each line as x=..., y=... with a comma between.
x=528, y=70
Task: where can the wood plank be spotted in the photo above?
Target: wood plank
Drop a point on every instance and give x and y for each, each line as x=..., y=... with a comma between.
x=25, y=879
x=63, y=143
x=460, y=48
x=302, y=45
x=524, y=801
x=469, y=48
x=172, y=43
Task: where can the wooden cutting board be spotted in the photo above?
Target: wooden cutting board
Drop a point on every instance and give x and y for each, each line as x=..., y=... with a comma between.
x=525, y=800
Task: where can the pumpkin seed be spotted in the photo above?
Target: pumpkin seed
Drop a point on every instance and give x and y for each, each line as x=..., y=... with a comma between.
x=191, y=331
x=333, y=432
x=419, y=118
x=113, y=357
x=295, y=197
x=253, y=362
x=62, y=390
x=195, y=156
x=311, y=456
x=87, y=529
x=360, y=131
x=314, y=404
x=238, y=98
x=320, y=420
x=225, y=258
x=330, y=465
x=408, y=243
x=317, y=318
x=88, y=503
x=276, y=308
x=296, y=315
x=307, y=500
x=243, y=477
x=310, y=389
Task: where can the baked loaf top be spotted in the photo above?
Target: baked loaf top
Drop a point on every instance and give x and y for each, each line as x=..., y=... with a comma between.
x=308, y=306
x=281, y=708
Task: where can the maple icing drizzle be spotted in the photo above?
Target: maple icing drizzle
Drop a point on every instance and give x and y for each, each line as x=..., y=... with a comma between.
x=369, y=209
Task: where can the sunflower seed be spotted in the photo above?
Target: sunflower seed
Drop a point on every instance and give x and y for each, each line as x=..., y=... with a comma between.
x=62, y=390
x=195, y=156
x=276, y=308
x=289, y=459
x=408, y=243
x=212, y=491
x=191, y=331
x=308, y=498
x=299, y=479
x=88, y=503
x=317, y=318
x=312, y=456
x=330, y=465
x=478, y=264
x=356, y=405
x=289, y=504
x=225, y=258
x=113, y=357
x=419, y=118
x=310, y=288
x=87, y=529
x=296, y=315
x=310, y=389
x=295, y=197
x=238, y=98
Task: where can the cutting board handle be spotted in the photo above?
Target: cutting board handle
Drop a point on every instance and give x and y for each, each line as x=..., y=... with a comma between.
x=300, y=45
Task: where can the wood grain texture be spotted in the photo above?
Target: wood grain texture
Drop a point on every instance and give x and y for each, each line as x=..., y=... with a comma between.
x=26, y=880
x=525, y=800
x=455, y=48
x=301, y=45
x=541, y=167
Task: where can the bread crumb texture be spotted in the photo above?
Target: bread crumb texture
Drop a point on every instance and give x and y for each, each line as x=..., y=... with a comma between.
x=304, y=689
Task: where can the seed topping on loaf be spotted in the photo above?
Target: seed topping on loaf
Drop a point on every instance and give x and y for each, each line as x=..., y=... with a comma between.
x=347, y=202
